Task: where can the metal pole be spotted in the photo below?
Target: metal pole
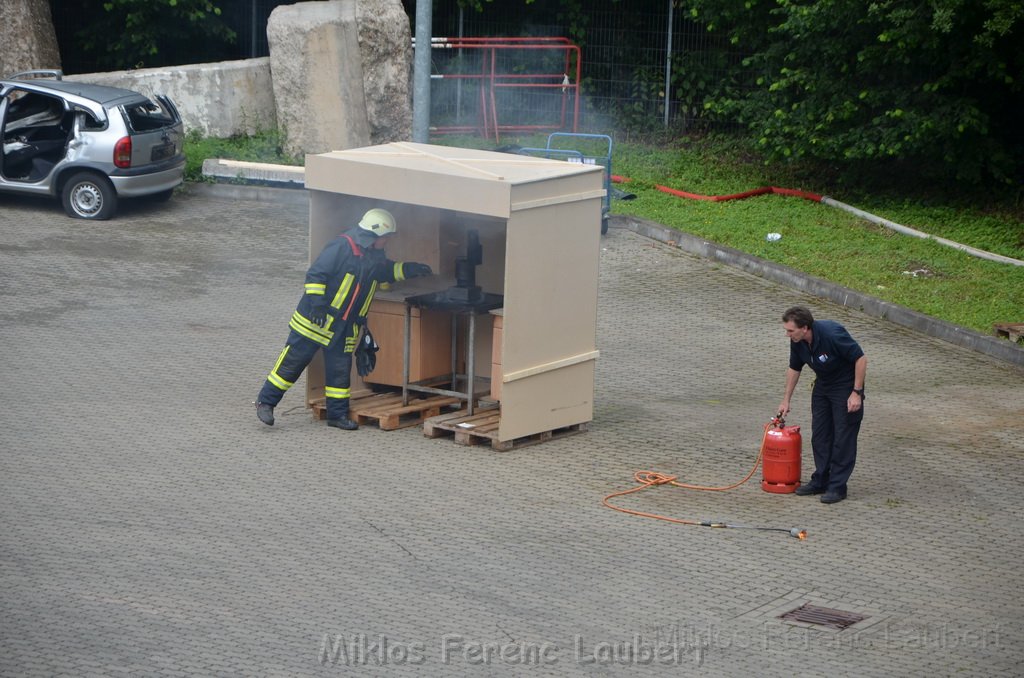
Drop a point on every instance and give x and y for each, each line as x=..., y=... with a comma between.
x=421, y=73
x=455, y=351
x=668, y=65
x=406, y=354
x=458, y=83
x=471, y=361
x=252, y=31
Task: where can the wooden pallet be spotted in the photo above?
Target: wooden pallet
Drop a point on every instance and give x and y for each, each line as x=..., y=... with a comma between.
x=387, y=411
x=1012, y=331
x=482, y=426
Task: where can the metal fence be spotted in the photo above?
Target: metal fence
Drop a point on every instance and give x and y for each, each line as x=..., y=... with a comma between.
x=637, y=70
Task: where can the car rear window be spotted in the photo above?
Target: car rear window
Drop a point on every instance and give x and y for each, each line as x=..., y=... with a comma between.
x=148, y=116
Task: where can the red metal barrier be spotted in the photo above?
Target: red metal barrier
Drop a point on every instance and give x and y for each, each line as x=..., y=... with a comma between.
x=491, y=80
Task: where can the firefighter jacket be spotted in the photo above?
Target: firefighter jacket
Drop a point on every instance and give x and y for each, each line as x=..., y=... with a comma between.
x=347, y=276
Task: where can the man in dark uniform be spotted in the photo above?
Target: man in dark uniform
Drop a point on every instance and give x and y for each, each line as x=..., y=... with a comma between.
x=837, y=398
x=339, y=288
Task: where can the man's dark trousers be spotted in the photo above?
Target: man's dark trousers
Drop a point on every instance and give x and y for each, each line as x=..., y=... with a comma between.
x=833, y=439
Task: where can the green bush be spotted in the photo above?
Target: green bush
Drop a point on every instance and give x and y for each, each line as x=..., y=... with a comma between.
x=263, y=146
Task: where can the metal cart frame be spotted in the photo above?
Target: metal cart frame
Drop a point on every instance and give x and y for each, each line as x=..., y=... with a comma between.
x=574, y=155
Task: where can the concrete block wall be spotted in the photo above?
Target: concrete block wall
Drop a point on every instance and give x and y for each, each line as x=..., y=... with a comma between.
x=219, y=99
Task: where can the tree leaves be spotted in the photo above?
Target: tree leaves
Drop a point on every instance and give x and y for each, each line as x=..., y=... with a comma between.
x=936, y=83
x=145, y=33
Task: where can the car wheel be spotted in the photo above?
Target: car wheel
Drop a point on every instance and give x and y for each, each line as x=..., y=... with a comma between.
x=88, y=195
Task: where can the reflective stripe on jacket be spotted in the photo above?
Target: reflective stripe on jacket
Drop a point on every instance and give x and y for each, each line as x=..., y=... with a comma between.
x=347, y=276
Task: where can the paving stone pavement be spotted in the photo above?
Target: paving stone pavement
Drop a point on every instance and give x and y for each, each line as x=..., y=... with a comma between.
x=151, y=526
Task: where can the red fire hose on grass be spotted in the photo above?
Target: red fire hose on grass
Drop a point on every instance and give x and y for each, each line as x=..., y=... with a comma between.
x=825, y=200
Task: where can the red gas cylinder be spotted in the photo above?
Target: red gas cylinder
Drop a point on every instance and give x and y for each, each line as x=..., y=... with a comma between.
x=780, y=457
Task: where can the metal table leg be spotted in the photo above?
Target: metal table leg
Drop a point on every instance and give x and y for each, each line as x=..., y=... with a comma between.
x=405, y=355
x=455, y=350
x=469, y=392
x=471, y=362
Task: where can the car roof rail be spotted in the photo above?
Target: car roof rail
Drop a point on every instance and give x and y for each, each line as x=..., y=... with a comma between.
x=38, y=73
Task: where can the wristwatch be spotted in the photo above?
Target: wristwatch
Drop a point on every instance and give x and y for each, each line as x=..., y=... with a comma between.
x=859, y=391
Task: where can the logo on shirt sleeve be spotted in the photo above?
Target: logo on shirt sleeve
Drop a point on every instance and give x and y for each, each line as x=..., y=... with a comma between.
x=823, y=358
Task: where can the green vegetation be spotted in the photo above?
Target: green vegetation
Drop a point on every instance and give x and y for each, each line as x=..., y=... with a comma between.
x=262, y=147
x=834, y=245
x=865, y=86
x=850, y=82
x=119, y=34
x=823, y=241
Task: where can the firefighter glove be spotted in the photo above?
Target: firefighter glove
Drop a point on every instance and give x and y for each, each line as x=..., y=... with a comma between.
x=415, y=270
x=366, y=354
x=318, y=310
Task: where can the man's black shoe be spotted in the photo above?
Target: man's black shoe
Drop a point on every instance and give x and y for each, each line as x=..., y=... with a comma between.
x=805, y=490
x=344, y=423
x=832, y=497
x=265, y=413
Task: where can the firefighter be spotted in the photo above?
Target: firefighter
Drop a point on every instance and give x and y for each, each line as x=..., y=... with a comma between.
x=339, y=288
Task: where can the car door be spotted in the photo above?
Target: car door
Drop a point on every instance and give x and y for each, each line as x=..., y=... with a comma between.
x=35, y=128
x=4, y=89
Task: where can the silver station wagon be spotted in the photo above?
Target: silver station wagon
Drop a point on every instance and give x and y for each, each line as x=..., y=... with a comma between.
x=89, y=145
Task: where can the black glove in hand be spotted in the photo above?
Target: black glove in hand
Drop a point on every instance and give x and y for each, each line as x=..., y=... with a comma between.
x=366, y=354
x=413, y=269
x=318, y=310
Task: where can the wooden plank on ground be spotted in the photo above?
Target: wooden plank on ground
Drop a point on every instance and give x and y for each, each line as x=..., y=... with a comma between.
x=1012, y=331
x=432, y=426
x=483, y=427
x=392, y=415
x=387, y=411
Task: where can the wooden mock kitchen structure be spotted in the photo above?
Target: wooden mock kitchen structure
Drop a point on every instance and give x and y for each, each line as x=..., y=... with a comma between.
x=537, y=222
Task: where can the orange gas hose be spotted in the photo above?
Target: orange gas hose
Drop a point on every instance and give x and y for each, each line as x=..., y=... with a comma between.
x=653, y=478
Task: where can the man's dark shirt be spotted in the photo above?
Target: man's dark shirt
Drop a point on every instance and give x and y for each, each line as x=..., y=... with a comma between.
x=831, y=354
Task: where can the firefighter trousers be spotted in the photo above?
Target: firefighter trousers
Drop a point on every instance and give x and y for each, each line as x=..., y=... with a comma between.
x=296, y=356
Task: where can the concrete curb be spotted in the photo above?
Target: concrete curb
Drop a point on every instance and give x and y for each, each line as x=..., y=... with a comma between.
x=254, y=173
x=1000, y=349
x=933, y=327
x=298, y=196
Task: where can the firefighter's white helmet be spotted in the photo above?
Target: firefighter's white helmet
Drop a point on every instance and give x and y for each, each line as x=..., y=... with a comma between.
x=378, y=221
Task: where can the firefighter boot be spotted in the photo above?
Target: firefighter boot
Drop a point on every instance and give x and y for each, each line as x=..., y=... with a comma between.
x=265, y=413
x=341, y=420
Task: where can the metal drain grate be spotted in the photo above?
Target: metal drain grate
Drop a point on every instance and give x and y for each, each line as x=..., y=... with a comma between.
x=823, y=616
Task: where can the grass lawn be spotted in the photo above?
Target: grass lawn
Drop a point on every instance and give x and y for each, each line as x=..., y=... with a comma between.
x=832, y=244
